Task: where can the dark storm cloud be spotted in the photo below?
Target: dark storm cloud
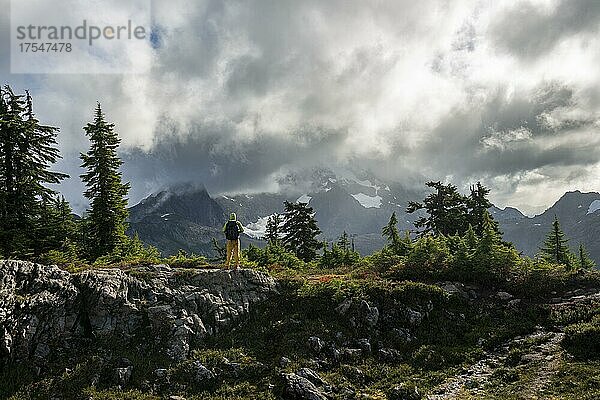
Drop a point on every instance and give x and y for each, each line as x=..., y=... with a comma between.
x=508, y=136
x=530, y=30
x=243, y=92
x=224, y=165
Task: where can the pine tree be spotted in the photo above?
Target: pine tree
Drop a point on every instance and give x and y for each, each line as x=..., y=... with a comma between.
x=27, y=150
x=390, y=231
x=478, y=205
x=584, y=259
x=272, y=233
x=471, y=239
x=556, y=248
x=446, y=208
x=300, y=230
x=105, y=189
x=489, y=236
x=344, y=242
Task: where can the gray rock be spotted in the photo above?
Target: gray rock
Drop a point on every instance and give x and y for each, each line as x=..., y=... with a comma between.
x=284, y=362
x=369, y=313
x=300, y=388
x=504, y=296
x=344, y=306
x=351, y=354
x=123, y=375
x=161, y=373
x=315, y=344
x=403, y=335
x=364, y=345
x=60, y=308
x=515, y=302
x=311, y=375
x=201, y=374
x=404, y=392
x=389, y=355
x=414, y=317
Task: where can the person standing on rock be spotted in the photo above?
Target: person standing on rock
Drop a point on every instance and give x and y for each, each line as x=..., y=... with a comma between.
x=232, y=229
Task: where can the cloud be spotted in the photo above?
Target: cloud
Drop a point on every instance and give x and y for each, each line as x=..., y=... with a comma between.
x=530, y=30
x=243, y=93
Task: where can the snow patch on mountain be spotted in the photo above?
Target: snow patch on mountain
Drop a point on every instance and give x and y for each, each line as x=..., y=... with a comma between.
x=368, y=184
x=258, y=229
x=368, y=201
x=304, y=199
x=594, y=206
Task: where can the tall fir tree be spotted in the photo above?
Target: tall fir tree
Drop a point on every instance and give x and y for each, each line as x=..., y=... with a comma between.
x=272, y=233
x=584, y=260
x=556, y=246
x=446, y=208
x=344, y=242
x=106, y=191
x=27, y=151
x=390, y=231
x=478, y=205
x=299, y=230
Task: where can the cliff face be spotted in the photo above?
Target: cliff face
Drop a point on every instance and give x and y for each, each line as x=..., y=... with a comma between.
x=45, y=311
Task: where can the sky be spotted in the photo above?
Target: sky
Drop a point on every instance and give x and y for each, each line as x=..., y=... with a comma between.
x=241, y=93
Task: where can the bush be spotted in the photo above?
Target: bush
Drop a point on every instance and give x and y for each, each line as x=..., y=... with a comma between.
x=337, y=257
x=184, y=260
x=583, y=339
x=428, y=257
x=383, y=260
x=131, y=251
x=273, y=256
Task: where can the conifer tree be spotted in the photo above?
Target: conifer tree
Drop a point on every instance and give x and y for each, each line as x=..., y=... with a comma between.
x=470, y=238
x=446, y=209
x=105, y=189
x=489, y=236
x=478, y=205
x=344, y=242
x=390, y=231
x=556, y=248
x=27, y=150
x=299, y=230
x=272, y=233
x=583, y=258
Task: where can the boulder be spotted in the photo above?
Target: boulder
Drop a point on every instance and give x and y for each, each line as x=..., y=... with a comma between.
x=299, y=388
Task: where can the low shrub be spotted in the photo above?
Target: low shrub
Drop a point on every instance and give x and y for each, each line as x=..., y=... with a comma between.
x=583, y=339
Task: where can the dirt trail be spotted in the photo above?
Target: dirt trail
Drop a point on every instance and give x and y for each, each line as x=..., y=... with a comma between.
x=541, y=353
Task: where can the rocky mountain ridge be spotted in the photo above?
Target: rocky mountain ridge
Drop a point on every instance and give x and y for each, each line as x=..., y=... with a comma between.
x=188, y=218
x=45, y=311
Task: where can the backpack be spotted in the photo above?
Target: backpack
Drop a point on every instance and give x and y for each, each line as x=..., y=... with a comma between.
x=232, y=232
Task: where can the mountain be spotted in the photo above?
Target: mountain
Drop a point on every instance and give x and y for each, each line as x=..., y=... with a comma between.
x=579, y=215
x=187, y=217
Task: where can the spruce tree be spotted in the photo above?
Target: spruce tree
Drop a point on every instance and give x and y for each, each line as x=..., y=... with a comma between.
x=27, y=150
x=556, y=248
x=446, y=208
x=299, y=230
x=344, y=242
x=272, y=233
x=478, y=205
x=390, y=231
x=107, y=193
x=583, y=258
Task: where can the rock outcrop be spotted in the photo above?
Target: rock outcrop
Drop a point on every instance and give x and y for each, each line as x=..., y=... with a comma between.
x=45, y=310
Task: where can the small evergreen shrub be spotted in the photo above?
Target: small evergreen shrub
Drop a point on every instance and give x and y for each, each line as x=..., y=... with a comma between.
x=583, y=339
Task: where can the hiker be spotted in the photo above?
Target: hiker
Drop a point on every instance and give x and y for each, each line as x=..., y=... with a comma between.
x=232, y=229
